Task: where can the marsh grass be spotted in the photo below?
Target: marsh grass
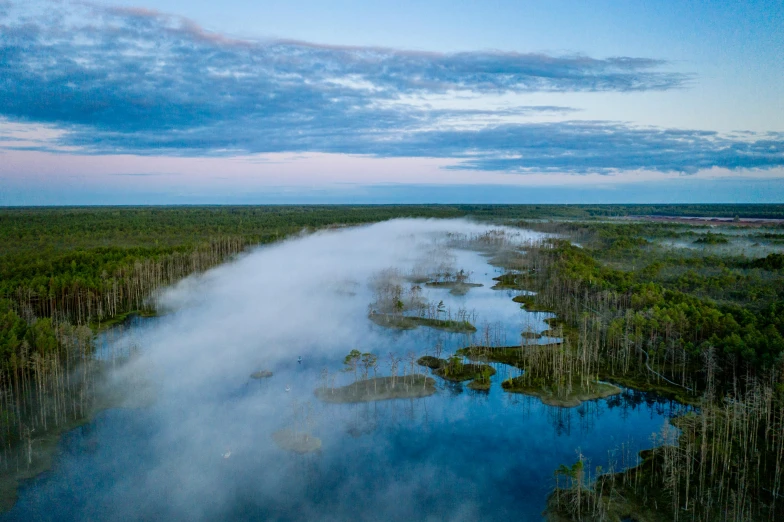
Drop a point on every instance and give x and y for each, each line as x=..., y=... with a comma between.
x=553, y=394
x=379, y=389
x=405, y=322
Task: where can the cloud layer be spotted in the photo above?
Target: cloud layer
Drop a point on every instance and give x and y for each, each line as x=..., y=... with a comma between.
x=138, y=81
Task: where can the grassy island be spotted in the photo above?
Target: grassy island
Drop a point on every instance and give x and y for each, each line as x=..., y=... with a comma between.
x=455, y=370
x=405, y=322
x=261, y=374
x=508, y=281
x=509, y=259
x=562, y=397
x=503, y=354
x=647, y=382
x=431, y=362
x=379, y=389
x=298, y=442
x=509, y=355
x=479, y=384
x=455, y=287
x=530, y=304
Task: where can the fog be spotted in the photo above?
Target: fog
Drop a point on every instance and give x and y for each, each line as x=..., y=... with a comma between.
x=307, y=297
x=282, y=301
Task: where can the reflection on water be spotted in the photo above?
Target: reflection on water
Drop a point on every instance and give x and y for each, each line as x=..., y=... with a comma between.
x=204, y=449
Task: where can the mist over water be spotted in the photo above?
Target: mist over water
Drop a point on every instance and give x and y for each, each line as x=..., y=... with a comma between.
x=195, y=442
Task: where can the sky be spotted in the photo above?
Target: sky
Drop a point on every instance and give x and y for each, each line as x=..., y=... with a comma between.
x=242, y=102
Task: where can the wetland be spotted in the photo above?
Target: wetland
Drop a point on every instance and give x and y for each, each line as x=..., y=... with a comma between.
x=443, y=369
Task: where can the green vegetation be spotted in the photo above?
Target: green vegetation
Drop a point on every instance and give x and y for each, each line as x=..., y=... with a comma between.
x=771, y=262
x=455, y=287
x=298, y=442
x=35, y=358
x=558, y=396
x=405, y=322
x=410, y=385
x=480, y=383
x=26, y=461
x=508, y=281
x=705, y=326
x=530, y=303
x=77, y=245
x=712, y=239
x=379, y=389
x=668, y=312
x=509, y=355
x=17, y=335
x=768, y=238
x=430, y=362
x=455, y=370
x=703, y=323
x=91, y=264
x=643, y=382
x=261, y=374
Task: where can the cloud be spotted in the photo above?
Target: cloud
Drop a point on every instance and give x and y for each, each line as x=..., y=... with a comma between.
x=584, y=147
x=144, y=174
x=126, y=80
x=133, y=69
x=571, y=146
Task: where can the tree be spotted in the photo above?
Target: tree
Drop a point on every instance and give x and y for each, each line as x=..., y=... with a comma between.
x=352, y=361
x=368, y=361
x=394, y=361
x=575, y=479
x=438, y=349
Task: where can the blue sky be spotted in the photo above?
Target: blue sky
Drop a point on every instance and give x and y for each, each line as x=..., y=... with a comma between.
x=303, y=101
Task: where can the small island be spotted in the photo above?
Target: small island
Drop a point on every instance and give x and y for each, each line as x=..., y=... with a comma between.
x=509, y=355
x=530, y=304
x=298, y=442
x=458, y=282
x=455, y=287
x=261, y=374
x=379, y=389
x=407, y=322
x=455, y=370
x=559, y=395
x=507, y=281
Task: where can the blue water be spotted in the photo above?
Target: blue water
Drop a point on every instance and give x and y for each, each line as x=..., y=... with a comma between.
x=456, y=455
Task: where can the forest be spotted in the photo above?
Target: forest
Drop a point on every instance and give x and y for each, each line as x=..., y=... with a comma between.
x=703, y=323
x=693, y=311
